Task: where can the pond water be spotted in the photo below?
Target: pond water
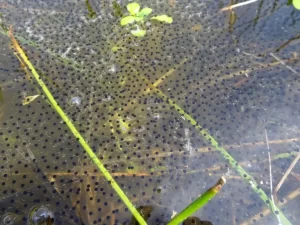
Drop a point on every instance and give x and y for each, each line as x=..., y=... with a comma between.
x=214, y=93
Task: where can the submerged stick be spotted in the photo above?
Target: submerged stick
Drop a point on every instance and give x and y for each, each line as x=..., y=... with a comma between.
x=198, y=203
x=286, y=175
x=75, y=132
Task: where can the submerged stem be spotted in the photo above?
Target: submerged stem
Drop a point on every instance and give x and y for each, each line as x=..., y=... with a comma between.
x=212, y=141
x=198, y=203
x=75, y=132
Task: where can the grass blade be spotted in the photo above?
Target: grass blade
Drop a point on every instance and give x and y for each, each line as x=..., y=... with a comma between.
x=198, y=203
x=75, y=132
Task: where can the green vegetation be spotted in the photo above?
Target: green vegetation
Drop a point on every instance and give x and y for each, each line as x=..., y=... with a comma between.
x=296, y=4
x=75, y=132
x=198, y=203
x=139, y=16
x=92, y=13
x=117, y=9
x=2, y=25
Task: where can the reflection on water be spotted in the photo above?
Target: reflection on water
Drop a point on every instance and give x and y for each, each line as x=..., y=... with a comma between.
x=135, y=99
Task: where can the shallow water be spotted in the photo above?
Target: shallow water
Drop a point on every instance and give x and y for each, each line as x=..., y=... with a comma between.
x=236, y=75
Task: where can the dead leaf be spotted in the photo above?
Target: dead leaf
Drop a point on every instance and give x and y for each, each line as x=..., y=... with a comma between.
x=172, y=3
x=197, y=27
x=29, y=99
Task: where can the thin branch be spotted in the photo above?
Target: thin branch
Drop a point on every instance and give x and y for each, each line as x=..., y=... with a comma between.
x=286, y=175
x=283, y=63
x=287, y=43
x=237, y=5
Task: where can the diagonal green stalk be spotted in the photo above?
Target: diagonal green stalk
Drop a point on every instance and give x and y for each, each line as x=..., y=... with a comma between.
x=64, y=60
x=92, y=13
x=75, y=132
x=212, y=141
x=198, y=203
x=234, y=164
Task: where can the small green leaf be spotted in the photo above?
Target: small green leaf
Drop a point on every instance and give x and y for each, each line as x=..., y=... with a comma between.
x=296, y=4
x=163, y=18
x=133, y=8
x=127, y=20
x=138, y=19
x=138, y=32
x=116, y=48
x=144, y=12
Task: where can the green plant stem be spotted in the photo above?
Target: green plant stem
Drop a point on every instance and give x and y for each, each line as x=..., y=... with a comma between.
x=212, y=141
x=234, y=164
x=75, y=132
x=64, y=60
x=92, y=13
x=198, y=203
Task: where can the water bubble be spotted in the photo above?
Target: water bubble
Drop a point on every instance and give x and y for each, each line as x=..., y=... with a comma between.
x=10, y=219
x=75, y=101
x=40, y=215
x=113, y=69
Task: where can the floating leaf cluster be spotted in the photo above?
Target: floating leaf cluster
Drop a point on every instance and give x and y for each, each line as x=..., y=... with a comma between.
x=139, y=16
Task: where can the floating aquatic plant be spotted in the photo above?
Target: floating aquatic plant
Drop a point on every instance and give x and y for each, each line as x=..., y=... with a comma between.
x=139, y=16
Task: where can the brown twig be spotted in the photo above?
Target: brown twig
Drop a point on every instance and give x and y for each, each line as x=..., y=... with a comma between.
x=261, y=66
x=288, y=171
x=296, y=176
x=113, y=219
x=137, y=174
x=243, y=72
x=229, y=147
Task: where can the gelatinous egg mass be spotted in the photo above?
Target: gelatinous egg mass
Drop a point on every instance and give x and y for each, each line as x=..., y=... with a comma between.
x=177, y=95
